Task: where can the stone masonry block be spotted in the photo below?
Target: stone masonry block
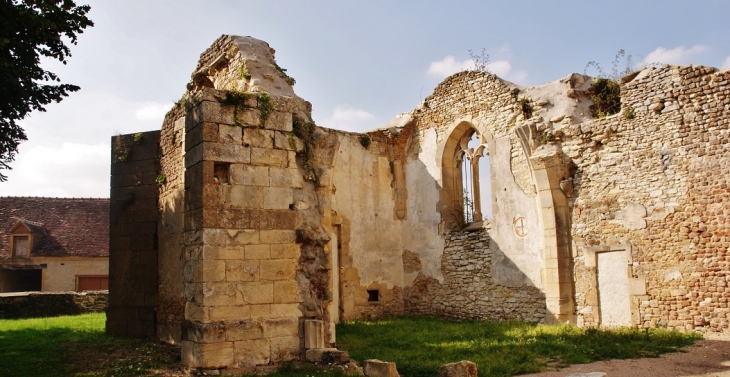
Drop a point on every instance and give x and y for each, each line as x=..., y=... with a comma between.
x=279, y=121
x=246, y=197
x=269, y=157
x=213, y=112
x=230, y=134
x=287, y=292
x=214, y=237
x=261, y=311
x=230, y=313
x=313, y=334
x=244, y=330
x=282, y=327
x=225, y=218
x=274, y=219
x=278, y=197
x=377, y=368
x=205, y=332
x=463, y=368
x=242, y=270
x=209, y=271
x=220, y=293
x=278, y=269
x=258, y=138
x=284, y=349
x=278, y=236
x=252, y=353
x=249, y=175
x=285, y=311
x=212, y=355
x=285, y=251
x=222, y=252
x=226, y=153
x=256, y=252
x=200, y=133
x=248, y=117
x=287, y=141
x=285, y=177
x=243, y=236
x=257, y=292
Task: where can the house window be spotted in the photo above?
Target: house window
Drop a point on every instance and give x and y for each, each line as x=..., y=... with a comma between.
x=20, y=247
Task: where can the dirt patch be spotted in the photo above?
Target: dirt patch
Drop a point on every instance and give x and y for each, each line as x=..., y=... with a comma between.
x=706, y=358
x=140, y=358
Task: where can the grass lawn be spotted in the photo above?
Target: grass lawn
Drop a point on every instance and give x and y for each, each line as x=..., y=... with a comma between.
x=77, y=346
x=420, y=345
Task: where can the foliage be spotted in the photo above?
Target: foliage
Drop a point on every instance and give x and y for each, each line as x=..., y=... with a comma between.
x=244, y=72
x=365, y=141
x=629, y=113
x=138, y=138
x=606, y=96
x=546, y=138
x=289, y=80
x=420, y=345
x=304, y=130
x=481, y=62
x=161, y=179
x=266, y=106
x=526, y=107
x=31, y=29
x=123, y=154
x=77, y=346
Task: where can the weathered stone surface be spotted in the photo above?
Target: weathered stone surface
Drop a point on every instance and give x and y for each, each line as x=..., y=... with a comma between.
x=377, y=368
x=463, y=368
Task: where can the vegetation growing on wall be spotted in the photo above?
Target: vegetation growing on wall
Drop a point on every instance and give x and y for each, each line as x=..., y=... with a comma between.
x=606, y=96
x=289, y=80
x=304, y=130
x=365, y=141
x=266, y=106
x=526, y=107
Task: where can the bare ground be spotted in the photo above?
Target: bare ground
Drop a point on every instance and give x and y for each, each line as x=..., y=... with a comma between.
x=706, y=358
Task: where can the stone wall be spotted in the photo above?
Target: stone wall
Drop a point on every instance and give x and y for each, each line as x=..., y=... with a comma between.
x=657, y=181
x=170, y=229
x=469, y=290
x=133, y=221
x=242, y=250
x=36, y=305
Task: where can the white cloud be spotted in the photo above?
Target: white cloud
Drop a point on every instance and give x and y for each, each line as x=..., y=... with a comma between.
x=153, y=111
x=677, y=55
x=500, y=68
x=448, y=66
x=66, y=170
x=348, y=118
x=726, y=63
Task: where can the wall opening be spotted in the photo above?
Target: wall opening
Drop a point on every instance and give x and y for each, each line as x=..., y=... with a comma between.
x=467, y=194
x=373, y=295
x=20, y=280
x=220, y=173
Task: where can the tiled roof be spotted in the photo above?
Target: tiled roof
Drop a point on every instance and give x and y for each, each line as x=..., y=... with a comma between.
x=72, y=226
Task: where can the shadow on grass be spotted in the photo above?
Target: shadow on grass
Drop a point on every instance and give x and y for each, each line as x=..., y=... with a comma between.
x=420, y=345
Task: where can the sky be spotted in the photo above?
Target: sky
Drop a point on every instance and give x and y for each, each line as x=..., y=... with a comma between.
x=360, y=63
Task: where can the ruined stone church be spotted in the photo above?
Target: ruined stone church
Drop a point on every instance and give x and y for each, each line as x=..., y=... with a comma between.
x=245, y=232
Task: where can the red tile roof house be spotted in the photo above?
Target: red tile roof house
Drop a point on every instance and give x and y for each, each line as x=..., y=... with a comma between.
x=53, y=244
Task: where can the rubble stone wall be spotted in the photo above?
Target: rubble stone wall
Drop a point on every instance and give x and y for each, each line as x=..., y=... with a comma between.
x=655, y=177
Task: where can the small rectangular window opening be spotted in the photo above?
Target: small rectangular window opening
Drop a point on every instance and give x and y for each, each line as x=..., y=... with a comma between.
x=373, y=295
x=220, y=173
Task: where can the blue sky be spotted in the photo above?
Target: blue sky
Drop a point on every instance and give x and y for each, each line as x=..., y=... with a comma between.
x=360, y=63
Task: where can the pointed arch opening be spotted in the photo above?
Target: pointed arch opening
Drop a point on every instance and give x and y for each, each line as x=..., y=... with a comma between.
x=466, y=194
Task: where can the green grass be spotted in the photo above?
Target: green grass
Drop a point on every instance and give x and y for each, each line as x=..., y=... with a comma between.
x=76, y=346
x=420, y=345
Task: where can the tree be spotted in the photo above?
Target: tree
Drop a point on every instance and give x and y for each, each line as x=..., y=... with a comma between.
x=30, y=29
